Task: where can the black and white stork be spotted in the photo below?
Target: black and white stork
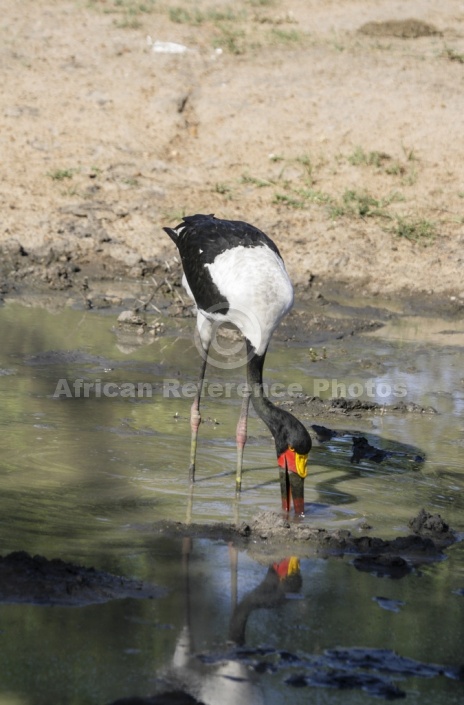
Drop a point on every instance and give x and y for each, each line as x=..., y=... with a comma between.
x=234, y=273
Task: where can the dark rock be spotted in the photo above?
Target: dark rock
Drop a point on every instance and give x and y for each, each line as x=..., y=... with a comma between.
x=383, y=566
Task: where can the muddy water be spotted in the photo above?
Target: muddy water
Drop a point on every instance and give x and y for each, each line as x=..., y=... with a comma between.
x=85, y=476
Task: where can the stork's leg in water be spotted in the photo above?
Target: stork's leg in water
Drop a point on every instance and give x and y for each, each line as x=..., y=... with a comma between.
x=195, y=419
x=242, y=437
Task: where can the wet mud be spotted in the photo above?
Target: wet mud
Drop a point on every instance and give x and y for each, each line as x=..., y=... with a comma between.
x=88, y=280
x=372, y=671
x=378, y=672
x=37, y=580
x=429, y=537
x=316, y=407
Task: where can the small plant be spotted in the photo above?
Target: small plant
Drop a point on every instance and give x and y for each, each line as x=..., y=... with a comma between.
x=336, y=210
x=174, y=216
x=130, y=181
x=306, y=162
x=314, y=196
x=314, y=356
x=128, y=12
x=260, y=183
x=61, y=174
x=410, y=178
x=128, y=22
x=453, y=55
x=337, y=45
x=213, y=15
x=361, y=203
x=230, y=39
x=71, y=192
x=180, y=15
x=146, y=7
x=409, y=154
x=285, y=36
x=285, y=199
x=134, y=6
x=222, y=189
x=359, y=158
x=416, y=230
x=395, y=169
x=261, y=3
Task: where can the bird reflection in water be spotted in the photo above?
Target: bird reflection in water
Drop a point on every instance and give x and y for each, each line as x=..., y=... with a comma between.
x=210, y=679
x=281, y=579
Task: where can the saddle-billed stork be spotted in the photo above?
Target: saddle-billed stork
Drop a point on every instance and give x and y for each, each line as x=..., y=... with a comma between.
x=234, y=273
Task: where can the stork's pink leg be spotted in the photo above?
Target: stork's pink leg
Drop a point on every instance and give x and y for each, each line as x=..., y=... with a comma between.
x=195, y=421
x=242, y=437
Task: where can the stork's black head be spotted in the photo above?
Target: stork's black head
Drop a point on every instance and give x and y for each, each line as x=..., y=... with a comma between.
x=292, y=442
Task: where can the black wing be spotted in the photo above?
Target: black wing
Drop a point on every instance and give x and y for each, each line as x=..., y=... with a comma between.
x=200, y=239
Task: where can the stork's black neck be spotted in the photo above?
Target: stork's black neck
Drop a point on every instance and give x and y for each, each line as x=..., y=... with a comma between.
x=285, y=428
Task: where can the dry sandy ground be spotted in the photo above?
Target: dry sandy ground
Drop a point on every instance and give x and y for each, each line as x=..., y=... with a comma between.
x=345, y=146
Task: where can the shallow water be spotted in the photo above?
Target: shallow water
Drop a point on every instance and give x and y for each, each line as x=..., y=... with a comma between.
x=85, y=478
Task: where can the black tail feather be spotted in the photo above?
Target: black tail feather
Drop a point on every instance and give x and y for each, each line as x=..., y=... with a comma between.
x=172, y=234
x=187, y=220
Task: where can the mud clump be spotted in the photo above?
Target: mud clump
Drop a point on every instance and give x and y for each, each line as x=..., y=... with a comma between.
x=35, y=579
x=426, y=538
x=431, y=525
x=403, y=29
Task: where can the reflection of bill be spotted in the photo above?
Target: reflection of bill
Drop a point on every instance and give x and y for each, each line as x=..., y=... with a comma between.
x=289, y=573
x=282, y=578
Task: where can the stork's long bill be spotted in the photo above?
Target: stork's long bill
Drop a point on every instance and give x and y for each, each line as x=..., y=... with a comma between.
x=291, y=488
x=292, y=474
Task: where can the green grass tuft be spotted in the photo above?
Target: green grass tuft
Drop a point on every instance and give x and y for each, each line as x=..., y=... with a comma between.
x=61, y=174
x=416, y=230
